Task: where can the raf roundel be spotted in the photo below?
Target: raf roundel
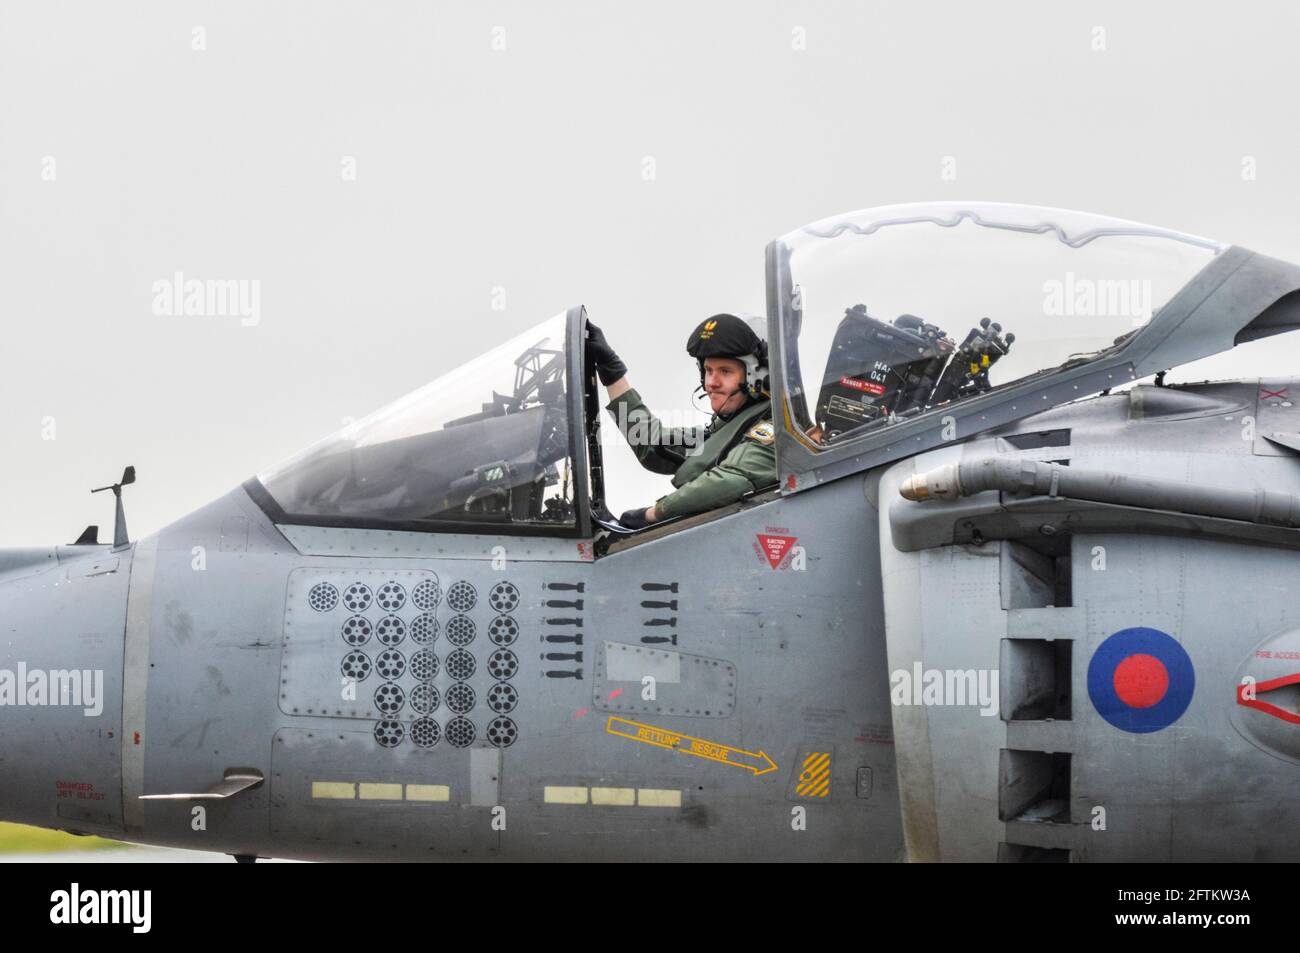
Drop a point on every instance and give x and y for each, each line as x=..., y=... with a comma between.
x=1141, y=680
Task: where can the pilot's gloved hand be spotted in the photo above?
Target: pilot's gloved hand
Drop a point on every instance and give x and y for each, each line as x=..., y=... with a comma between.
x=634, y=519
x=609, y=367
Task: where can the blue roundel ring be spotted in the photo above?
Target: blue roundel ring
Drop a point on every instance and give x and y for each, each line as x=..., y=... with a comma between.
x=1141, y=641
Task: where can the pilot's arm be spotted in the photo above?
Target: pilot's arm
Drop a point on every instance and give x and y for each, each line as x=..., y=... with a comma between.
x=659, y=449
x=750, y=465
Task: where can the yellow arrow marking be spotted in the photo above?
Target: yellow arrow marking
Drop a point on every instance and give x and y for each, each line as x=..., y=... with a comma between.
x=758, y=762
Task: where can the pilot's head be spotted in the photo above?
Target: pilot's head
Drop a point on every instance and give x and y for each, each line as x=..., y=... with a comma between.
x=733, y=362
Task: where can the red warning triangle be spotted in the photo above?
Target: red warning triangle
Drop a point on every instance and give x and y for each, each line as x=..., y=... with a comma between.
x=775, y=547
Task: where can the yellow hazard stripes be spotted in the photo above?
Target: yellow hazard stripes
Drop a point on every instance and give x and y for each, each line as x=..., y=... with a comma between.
x=815, y=776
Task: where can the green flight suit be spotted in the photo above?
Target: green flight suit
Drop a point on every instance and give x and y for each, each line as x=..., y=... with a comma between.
x=711, y=465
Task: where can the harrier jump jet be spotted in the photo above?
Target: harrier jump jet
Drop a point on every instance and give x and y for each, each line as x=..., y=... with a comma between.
x=1005, y=603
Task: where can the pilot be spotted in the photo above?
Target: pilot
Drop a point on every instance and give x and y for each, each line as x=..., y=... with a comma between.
x=712, y=465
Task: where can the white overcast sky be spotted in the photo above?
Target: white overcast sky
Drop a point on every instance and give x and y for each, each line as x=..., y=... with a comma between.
x=521, y=168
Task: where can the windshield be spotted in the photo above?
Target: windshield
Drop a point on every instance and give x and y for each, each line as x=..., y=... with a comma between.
x=896, y=311
x=485, y=443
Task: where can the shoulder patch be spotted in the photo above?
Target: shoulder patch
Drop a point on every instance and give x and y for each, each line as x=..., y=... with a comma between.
x=762, y=432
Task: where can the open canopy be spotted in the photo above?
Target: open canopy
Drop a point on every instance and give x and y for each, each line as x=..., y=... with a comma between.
x=907, y=308
x=902, y=327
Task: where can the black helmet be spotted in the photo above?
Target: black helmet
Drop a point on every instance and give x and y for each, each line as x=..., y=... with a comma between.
x=725, y=335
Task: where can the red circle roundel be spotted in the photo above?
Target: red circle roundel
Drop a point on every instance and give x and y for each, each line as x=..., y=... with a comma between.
x=1141, y=680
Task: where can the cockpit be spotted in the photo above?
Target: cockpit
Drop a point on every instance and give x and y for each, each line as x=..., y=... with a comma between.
x=891, y=331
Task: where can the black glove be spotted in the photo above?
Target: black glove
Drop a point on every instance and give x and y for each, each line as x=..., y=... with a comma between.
x=634, y=519
x=609, y=367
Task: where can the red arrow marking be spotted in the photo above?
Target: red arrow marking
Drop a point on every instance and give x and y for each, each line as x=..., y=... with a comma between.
x=1266, y=707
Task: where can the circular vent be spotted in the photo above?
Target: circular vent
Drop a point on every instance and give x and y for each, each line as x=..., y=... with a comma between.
x=460, y=630
x=502, y=664
x=389, y=733
x=356, y=665
x=356, y=631
x=502, y=698
x=460, y=665
x=460, y=732
x=502, y=732
x=424, y=666
x=504, y=597
x=389, y=699
x=427, y=595
x=425, y=732
x=424, y=629
x=357, y=597
x=323, y=597
x=461, y=596
x=391, y=596
x=503, y=630
x=390, y=630
x=459, y=698
x=390, y=664
x=424, y=698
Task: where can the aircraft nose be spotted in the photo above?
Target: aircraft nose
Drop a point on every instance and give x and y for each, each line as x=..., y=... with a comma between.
x=62, y=621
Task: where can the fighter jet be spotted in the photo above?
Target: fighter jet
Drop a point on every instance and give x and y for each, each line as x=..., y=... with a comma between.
x=1008, y=600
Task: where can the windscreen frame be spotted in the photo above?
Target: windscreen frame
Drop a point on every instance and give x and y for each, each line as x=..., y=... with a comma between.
x=577, y=451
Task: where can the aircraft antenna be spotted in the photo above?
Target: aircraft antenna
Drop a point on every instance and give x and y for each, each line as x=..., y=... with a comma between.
x=120, y=540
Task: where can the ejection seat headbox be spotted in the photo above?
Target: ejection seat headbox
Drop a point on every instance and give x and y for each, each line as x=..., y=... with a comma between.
x=877, y=369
